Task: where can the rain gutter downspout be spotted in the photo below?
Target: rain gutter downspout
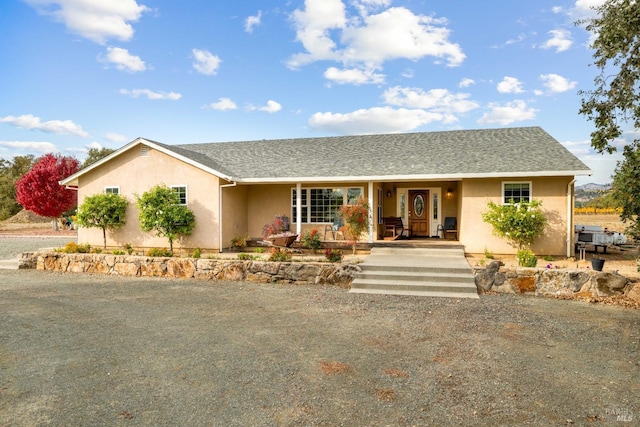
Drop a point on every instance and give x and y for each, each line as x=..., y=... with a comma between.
x=569, y=216
x=220, y=214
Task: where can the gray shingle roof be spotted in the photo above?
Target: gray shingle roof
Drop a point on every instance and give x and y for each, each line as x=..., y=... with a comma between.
x=463, y=153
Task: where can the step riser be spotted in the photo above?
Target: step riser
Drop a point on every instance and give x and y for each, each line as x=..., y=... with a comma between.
x=417, y=252
x=392, y=269
x=414, y=288
x=416, y=294
x=416, y=278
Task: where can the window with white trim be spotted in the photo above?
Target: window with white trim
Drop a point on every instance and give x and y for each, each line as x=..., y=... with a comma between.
x=182, y=193
x=516, y=191
x=319, y=205
x=112, y=190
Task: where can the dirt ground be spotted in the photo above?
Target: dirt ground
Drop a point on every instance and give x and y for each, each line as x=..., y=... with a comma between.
x=94, y=350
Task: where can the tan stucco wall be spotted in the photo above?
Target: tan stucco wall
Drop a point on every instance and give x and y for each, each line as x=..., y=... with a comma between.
x=135, y=175
x=477, y=235
x=234, y=215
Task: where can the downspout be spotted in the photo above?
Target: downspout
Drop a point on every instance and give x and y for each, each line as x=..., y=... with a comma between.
x=569, y=216
x=370, y=190
x=220, y=214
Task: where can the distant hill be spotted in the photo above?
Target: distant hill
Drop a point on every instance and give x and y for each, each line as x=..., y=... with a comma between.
x=587, y=192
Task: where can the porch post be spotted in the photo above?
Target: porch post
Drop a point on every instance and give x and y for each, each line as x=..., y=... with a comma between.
x=298, y=208
x=371, y=205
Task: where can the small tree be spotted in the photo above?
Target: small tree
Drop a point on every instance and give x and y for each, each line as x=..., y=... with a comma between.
x=356, y=220
x=520, y=223
x=38, y=190
x=104, y=211
x=161, y=211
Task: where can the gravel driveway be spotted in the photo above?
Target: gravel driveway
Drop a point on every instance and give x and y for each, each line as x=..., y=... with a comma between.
x=84, y=350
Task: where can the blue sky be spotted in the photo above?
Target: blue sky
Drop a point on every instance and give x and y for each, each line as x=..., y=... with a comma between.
x=77, y=74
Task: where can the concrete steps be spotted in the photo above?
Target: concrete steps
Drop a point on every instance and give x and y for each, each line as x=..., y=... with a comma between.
x=432, y=271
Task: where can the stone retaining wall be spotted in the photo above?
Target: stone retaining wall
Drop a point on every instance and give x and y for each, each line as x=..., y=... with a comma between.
x=552, y=282
x=201, y=268
x=494, y=277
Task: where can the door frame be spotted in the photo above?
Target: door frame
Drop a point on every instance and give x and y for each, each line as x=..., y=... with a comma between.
x=434, y=221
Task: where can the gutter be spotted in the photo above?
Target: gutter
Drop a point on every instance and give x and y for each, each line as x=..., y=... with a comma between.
x=220, y=213
x=569, y=216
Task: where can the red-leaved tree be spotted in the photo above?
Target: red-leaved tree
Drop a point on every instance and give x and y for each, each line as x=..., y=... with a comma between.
x=38, y=190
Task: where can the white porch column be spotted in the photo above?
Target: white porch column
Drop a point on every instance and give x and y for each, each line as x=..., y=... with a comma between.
x=371, y=207
x=298, y=208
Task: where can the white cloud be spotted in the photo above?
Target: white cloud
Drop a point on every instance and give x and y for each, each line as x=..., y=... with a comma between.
x=252, y=21
x=96, y=20
x=223, y=104
x=375, y=120
x=30, y=146
x=353, y=76
x=515, y=111
x=437, y=100
x=510, y=85
x=466, y=82
x=584, y=8
x=560, y=40
x=136, y=93
x=115, y=137
x=367, y=6
x=556, y=83
x=205, y=62
x=123, y=60
x=31, y=122
x=369, y=40
x=271, y=107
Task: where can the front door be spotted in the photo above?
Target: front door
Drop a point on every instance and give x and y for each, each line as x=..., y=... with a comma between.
x=419, y=213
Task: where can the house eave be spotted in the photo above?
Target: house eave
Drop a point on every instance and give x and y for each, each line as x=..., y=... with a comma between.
x=73, y=179
x=422, y=177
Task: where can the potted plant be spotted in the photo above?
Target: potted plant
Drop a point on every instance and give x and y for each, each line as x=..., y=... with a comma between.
x=276, y=232
x=597, y=263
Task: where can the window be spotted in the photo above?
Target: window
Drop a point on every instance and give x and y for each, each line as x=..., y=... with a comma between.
x=304, y=205
x=112, y=190
x=182, y=192
x=518, y=191
x=380, y=210
x=319, y=205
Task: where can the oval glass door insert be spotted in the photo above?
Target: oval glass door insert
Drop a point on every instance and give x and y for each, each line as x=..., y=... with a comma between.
x=418, y=205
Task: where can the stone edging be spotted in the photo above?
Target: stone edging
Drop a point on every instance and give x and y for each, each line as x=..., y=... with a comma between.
x=200, y=268
x=552, y=282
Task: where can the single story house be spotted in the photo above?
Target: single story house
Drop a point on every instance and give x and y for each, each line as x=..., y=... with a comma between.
x=235, y=188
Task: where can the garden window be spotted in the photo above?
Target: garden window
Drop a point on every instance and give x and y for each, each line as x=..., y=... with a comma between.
x=516, y=191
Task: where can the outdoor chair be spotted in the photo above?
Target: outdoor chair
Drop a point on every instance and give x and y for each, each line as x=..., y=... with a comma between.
x=334, y=229
x=451, y=228
x=393, y=225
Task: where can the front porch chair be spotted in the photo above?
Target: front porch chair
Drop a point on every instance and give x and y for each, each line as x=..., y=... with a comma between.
x=451, y=228
x=334, y=229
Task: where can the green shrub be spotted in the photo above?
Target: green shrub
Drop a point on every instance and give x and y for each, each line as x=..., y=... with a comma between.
x=239, y=242
x=548, y=258
x=156, y=252
x=246, y=257
x=333, y=255
x=118, y=252
x=280, y=255
x=487, y=254
x=196, y=253
x=526, y=258
x=259, y=250
x=128, y=248
x=520, y=223
x=311, y=240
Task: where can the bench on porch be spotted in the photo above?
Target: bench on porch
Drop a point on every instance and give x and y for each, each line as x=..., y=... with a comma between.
x=393, y=225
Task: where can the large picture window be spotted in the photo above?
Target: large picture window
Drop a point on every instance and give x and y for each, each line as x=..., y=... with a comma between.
x=516, y=191
x=319, y=205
